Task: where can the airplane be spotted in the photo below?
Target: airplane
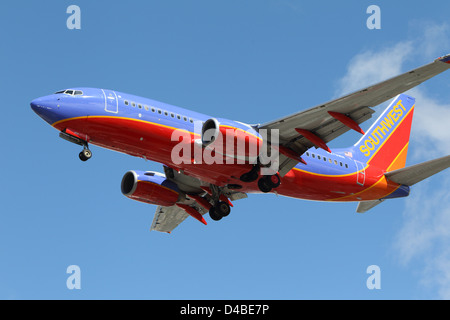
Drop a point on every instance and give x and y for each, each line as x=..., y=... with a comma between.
x=369, y=172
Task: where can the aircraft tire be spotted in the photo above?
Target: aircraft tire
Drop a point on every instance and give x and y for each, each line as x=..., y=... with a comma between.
x=223, y=208
x=82, y=156
x=214, y=215
x=85, y=155
x=264, y=184
x=275, y=180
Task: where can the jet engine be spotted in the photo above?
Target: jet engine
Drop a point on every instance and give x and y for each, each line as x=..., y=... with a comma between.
x=150, y=187
x=231, y=139
x=210, y=131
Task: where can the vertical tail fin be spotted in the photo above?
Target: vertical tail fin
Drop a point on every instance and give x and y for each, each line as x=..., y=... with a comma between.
x=385, y=144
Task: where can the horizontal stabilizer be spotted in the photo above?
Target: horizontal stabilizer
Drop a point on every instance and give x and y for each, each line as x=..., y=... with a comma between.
x=364, y=206
x=416, y=173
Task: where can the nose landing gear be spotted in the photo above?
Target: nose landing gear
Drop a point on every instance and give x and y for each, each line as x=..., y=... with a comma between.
x=86, y=154
x=70, y=136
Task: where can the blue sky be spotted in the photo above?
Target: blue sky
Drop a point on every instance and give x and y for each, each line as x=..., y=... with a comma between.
x=251, y=61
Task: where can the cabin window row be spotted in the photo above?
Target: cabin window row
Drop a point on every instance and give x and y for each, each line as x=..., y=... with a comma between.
x=340, y=163
x=157, y=110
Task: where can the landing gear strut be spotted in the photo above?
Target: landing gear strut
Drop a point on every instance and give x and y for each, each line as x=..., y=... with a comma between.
x=220, y=208
x=84, y=155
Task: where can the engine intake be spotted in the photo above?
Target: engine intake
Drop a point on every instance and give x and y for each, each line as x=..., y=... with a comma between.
x=210, y=131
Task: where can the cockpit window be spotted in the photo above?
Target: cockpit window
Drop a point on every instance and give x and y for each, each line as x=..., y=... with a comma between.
x=70, y=92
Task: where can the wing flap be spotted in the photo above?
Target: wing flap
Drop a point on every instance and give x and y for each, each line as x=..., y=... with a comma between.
x=168, y=218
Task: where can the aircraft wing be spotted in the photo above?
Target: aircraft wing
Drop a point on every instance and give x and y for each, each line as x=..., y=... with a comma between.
x=356, y=106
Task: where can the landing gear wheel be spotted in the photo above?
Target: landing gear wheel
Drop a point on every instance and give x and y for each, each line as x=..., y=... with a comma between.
x=275, y=180
x=214, y=215
x=223, y=208
x=85, y=155
x=264, y=184
x=220, y=210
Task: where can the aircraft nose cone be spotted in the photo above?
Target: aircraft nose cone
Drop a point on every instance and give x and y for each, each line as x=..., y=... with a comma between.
x=34, y=105
x=44, y=108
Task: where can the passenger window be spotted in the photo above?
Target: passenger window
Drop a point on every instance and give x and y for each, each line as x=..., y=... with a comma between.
x=329, y=160
x=313, y=155
x=126, y=102
x=307, y=154
x=133, y=104
x=166, y=113
x=325, y=159
x=346, y=165
x=172, y=115
x=146, y=108
x=159, y=111
x=140, y=106
x=153, y=109
x=318, y=157
x=184, y=118
x=178, y=117
x=340, y=163
x=335, y=162
x=191, y=121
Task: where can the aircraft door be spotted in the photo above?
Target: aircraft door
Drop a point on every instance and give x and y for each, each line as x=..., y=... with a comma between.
x=111, y=101
x=361, y=174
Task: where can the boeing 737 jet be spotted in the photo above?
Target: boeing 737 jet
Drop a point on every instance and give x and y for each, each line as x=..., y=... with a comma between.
x=209, y=162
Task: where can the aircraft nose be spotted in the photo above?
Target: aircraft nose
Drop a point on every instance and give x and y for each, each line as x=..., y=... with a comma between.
x=45, y=108
x=34, y=105
x=39, y=106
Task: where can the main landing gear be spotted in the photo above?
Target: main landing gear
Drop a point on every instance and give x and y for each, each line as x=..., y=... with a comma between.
x=221, y=205
x=220, y=210
x=265, y=183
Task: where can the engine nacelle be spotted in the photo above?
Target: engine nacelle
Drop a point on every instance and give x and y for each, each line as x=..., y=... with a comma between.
x=150, y=187
x=210, y=131
x=231, y=139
